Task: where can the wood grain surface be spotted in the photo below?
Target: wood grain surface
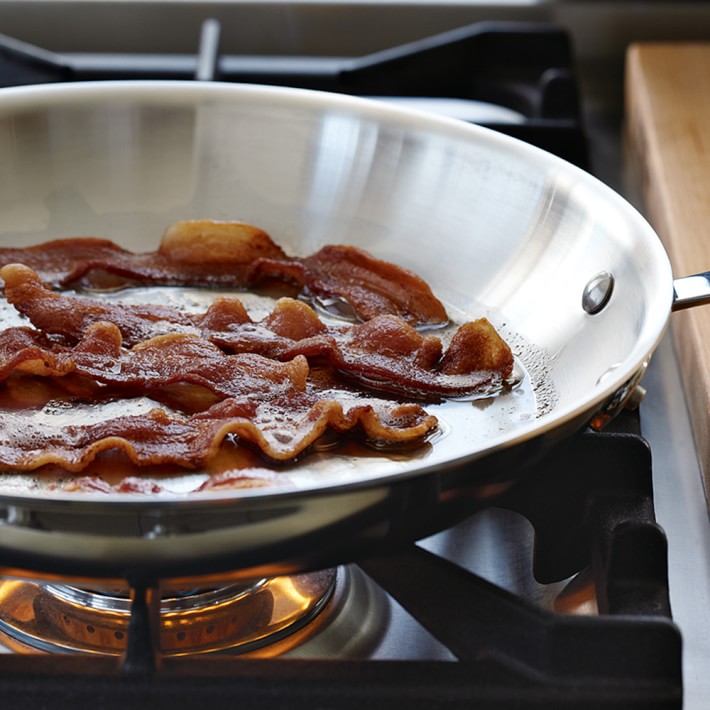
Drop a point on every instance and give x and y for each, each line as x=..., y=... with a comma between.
x=668, y=135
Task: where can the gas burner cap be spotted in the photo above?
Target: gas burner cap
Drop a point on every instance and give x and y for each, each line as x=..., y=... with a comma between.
x=238, y=618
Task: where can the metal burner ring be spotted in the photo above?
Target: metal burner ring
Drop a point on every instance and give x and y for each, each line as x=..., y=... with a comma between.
x=237, y=618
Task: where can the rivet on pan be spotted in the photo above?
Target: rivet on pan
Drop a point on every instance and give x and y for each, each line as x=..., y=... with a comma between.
x=597, y=292
x=153, y=529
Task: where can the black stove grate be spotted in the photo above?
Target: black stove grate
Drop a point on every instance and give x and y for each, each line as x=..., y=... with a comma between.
x=524, y=67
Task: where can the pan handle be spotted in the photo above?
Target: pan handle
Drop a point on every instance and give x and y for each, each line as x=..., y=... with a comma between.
x=691, y=291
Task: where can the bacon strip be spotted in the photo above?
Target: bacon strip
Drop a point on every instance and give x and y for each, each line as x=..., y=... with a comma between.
x=30, y=352
x=54, y=313
x=151, y=365
x=368, y=285
x=202, y=253
x=281, y=429
x=384, y=353
x=184, y=359
x=238, y=255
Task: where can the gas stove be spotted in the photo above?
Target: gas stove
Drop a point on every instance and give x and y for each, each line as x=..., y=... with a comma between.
x=563, y=595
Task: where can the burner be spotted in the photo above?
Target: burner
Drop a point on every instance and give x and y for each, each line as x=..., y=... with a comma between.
x=239, y=618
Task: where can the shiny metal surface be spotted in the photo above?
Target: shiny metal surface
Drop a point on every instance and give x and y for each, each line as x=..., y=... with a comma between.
x=597, y=293
x=497, y=227
x=691, y=291
x=236, y=619
x=681, y=509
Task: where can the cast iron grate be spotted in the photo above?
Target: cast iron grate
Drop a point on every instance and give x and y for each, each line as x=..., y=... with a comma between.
x=525, y=67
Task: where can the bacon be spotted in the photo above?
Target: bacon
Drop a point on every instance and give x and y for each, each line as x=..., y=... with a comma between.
x=237, y=255
x=284, y=428
x=368, y=285
x=154, y=386
x=183, y=359
x=281, y=429
x=54, y=313
x=202, y=252
x=266, y=404
x=384, y=353
x=30, y=352
x=152, y=438
x=233, y=479
x=151, y=365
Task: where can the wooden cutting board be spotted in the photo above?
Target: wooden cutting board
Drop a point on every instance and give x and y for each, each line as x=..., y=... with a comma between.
x=668, y=134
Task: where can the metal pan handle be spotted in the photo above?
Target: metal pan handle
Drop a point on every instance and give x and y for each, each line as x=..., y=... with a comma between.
x=691, y=291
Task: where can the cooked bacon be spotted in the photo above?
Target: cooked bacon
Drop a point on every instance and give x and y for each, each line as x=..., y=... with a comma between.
x=183, y=359
x=368, y=285
x=30, y=352
x=70, y=317
x=384, y=353
x=280, y=429
x=151, y=365
x=157, y=387
x=237, y=255
x=152, y=438
x=202, y=252
x=285, y=427
x=224, y=480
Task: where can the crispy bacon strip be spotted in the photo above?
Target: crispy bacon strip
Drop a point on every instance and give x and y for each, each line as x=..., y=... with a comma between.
x=383, y=353
x=70, y=316
x=204, y=253
x=280, y=429
x=238, y=255
x=151, y=365
x=184, y=359
x=30, y=352
x=370, y=286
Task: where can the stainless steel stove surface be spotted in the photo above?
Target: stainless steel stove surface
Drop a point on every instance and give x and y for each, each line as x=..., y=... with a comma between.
x=681, y=510
x=560, y=610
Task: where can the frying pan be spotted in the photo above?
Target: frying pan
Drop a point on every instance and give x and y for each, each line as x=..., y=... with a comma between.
x=570, y=273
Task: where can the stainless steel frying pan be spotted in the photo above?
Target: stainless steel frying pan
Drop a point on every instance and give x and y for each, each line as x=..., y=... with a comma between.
x=573, y=276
